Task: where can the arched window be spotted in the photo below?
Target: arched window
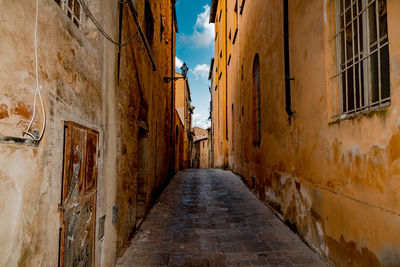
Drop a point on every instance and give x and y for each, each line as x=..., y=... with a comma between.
x=256, y=101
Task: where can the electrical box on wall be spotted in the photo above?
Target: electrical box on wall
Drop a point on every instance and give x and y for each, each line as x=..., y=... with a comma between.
x=115, y=214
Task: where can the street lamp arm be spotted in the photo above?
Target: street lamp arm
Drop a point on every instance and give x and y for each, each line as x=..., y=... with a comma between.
x=184, y=71
x=169, y=79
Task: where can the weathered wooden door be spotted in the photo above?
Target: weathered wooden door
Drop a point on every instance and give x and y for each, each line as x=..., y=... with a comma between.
x=79, y=187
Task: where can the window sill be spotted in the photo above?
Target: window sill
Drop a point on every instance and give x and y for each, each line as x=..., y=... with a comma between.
x=369, y=112
x=18, y=141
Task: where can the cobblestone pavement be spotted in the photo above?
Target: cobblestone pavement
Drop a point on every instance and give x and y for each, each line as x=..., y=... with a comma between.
x=209, y=218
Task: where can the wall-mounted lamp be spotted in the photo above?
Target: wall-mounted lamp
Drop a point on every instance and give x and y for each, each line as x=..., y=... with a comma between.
x=184, y=71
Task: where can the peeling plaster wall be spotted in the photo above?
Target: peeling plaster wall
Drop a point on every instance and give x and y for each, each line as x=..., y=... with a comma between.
x=182, y=104
x=203, y=144
x=78, y=75
x=220, y=94
x=179, y=132
x=143, y=97
x=337, y=184
x=30, y=177
x=212, y=114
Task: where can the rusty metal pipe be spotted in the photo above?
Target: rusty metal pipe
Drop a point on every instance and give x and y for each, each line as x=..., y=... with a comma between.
x=288, y=79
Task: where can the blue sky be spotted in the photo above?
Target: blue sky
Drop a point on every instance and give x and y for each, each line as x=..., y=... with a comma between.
x=195, y=46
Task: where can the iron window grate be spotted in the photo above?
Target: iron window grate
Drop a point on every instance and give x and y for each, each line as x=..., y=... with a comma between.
x=73, y=9
x=360, y=57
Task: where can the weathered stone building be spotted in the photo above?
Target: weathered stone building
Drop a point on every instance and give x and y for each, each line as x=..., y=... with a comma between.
x=200, y=148
x=210, y=148
x=211, y=133
x=203, y=151
x=200, y=153
x=305, y=108
x=219, y=81
x=185, y=113
x=179, y=142
x=76, y=195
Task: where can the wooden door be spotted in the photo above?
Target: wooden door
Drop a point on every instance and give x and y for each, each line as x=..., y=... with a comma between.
x=79, y=188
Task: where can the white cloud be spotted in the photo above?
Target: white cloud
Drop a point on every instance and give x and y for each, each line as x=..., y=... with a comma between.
x=201, y=71
x=203, y=33
x=197, y=122
x=178, y=62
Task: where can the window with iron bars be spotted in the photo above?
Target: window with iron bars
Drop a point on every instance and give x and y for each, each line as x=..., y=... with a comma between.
x=360, y=57
x=72, y=9
x=256, y=101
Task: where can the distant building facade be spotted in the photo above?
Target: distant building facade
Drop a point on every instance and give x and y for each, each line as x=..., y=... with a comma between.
x=201, y=153
x=203, y=150
x=179, y=143
x=305, y=106
x=210, y=148
x=212, y=118
x=200, y=148
x=184, y=110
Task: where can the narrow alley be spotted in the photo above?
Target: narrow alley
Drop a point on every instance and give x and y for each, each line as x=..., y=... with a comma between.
x=199, y=133
x=208, y=217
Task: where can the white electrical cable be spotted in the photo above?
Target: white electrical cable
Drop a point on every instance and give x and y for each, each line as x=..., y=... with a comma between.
x=37, y=91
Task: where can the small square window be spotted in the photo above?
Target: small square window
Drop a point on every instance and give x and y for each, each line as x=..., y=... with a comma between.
x=73, y=9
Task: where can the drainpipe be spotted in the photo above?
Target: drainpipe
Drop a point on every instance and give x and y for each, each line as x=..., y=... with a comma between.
x=172, y=65
x=226, y=70
x=288, y=79
x=121, y=12
x=172, y=82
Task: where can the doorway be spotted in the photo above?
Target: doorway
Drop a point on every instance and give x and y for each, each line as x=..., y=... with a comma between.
x=78, y=196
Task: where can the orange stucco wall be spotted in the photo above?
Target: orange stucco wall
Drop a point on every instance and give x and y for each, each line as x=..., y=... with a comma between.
x=338, y=182
x=220, y=94
x=203, y=154
x=182, y=106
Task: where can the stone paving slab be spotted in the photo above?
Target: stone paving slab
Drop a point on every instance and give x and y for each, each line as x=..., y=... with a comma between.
x=207, y=217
